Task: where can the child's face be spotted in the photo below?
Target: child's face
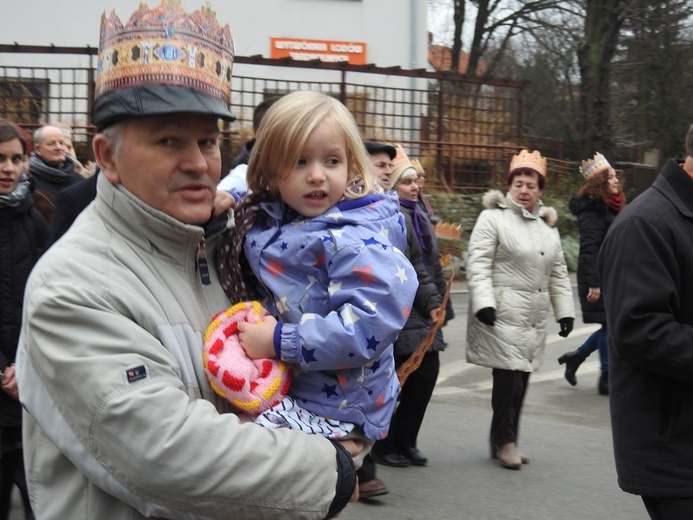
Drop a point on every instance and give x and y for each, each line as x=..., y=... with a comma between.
x=318, y=180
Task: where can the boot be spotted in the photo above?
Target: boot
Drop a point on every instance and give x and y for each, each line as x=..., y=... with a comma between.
x=572, y=361
x=508, y=456
x=603, y=385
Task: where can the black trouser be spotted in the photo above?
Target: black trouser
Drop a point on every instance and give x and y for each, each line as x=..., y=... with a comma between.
x=509, y=389
x=413, y=401
x=367, y=470
x=669, y=508
x=12, y=471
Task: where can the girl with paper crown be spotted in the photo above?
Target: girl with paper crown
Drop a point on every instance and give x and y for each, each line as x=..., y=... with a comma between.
x=596, y=206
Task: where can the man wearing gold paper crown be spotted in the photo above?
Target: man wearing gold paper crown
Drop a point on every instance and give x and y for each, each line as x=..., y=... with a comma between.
x=647, y=285
x=121, y=421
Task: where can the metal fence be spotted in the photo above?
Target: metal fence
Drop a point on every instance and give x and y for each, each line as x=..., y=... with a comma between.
x=463, y=129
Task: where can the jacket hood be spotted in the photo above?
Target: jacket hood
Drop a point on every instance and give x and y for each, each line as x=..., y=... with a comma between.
x=581, y=203
x=494, y=199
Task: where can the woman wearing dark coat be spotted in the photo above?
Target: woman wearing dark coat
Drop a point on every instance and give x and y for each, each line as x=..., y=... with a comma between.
x=23, y=234
x=400, y=449
x=596, y=207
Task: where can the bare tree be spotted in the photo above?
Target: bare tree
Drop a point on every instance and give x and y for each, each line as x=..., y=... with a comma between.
x=603, y=20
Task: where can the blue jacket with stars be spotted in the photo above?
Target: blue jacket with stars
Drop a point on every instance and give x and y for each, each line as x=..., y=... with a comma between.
x=342, y=290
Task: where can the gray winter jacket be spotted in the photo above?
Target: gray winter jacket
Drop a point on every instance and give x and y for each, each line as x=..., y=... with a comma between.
x=516, y=266
x=122, y=422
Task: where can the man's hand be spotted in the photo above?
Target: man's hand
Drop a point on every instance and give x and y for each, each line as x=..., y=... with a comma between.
x=257, y=339
x=223, y=202
x=9, y=382
x=594, y=294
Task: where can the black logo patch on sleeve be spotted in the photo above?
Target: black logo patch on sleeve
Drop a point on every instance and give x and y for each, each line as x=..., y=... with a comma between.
x=137, y=373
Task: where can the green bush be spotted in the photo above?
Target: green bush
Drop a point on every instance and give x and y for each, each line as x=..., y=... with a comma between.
x=464, y=208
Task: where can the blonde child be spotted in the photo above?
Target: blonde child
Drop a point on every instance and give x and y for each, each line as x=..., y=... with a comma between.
x=324, y=251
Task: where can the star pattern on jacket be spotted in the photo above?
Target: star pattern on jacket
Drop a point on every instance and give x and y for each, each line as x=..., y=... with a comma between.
x=275, y=267
x=282, y=307
x=385, y=233
x=334, y=287
x=307, y=316
x=375, y=365
x=348, y=315
x=372, y=343
x=373, y=242
x=401, y=274
x=365, y=274
x=308, y=354
x=330, y=390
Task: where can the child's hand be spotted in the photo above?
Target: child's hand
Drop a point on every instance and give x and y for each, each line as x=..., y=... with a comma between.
x=257, y=339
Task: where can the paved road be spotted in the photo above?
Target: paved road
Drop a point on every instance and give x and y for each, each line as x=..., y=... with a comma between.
x=565, y=430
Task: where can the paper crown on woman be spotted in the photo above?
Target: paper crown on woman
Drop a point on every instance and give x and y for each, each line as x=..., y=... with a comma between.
x=417, y=166
x=526, y=159
x=163, y=61
x=594, y=165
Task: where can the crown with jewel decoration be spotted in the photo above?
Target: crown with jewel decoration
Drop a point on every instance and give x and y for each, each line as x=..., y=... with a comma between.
x=597, y=164
x=165, y=45
x=526, y=159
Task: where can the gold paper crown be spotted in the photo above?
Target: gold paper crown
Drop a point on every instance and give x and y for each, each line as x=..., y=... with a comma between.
x=526, y=159
x=417, y=166
x=401, y=159
x=597, y=164
x=165, y=45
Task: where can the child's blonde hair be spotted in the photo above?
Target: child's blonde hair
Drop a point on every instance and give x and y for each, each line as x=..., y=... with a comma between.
x=284, y=131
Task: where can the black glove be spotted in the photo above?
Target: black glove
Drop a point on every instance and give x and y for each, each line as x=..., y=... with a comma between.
x=566, y=326
x=487, y=316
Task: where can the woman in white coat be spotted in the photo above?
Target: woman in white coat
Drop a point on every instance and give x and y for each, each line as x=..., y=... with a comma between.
x=515, y=271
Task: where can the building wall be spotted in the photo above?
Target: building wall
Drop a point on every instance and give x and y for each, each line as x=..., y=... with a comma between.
x=394, y=30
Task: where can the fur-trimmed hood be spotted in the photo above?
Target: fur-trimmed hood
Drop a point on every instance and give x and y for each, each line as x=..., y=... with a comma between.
x=493, y=199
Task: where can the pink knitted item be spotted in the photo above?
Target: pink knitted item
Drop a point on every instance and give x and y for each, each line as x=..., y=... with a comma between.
x=251, y=385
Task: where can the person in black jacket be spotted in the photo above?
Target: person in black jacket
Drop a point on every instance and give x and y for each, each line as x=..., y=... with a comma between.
x=399, y=448
x=23, y=233
x=647, y=284
x=596, y=207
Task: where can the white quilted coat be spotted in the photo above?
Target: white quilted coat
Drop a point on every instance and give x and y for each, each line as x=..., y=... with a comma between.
x=516, y=266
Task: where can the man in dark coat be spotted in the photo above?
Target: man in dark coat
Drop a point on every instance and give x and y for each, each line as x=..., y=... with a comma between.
x=646, y=267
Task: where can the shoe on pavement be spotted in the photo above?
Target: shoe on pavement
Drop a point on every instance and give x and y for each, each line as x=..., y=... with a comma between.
x=394, y=460
x=415, y=456
x=372, y=488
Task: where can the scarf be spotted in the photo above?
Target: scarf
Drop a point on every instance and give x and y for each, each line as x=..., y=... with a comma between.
x=422, y=226
x=19, y=193
x=615, y=202
x=45, y=172
x=235, y=274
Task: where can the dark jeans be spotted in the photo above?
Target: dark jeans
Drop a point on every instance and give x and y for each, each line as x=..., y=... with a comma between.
x=509, y=389
x=597, y=340
x=669, y=508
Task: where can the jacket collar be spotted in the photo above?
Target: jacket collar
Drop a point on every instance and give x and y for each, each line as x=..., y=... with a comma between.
x=677, y=186
x=149, y=228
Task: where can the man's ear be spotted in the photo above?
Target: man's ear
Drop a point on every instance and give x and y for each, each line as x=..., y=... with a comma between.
x=105, y=157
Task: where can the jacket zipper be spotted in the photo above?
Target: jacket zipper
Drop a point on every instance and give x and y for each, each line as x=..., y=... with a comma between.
x=202, y=263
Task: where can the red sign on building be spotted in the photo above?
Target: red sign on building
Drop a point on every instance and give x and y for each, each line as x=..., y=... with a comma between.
x=323, y=50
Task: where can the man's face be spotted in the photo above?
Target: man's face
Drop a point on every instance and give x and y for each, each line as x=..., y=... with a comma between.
x=170, y=162
x=381, y=166
x=51, y=147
